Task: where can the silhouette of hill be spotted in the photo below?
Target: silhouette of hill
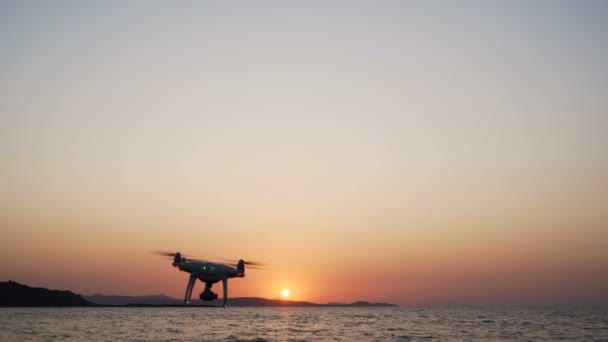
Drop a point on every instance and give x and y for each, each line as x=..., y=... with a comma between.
x=15, y=294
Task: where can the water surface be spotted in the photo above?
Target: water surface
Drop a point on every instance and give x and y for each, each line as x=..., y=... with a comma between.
x=303, y=324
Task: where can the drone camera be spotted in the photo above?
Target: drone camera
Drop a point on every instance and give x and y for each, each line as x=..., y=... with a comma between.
x=208, y=295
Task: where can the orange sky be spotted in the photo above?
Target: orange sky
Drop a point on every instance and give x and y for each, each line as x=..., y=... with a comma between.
x=399, y=152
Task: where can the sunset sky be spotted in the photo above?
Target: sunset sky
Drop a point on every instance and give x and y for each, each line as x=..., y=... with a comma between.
x=419, y=153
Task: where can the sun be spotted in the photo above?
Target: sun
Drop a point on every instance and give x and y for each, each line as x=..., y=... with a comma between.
x=285, y=293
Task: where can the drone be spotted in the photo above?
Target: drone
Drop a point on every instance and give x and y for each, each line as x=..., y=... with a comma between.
x=209, y=273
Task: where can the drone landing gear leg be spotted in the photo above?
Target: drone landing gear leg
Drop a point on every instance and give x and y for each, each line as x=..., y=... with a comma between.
x=189, y=289
x=225, y=284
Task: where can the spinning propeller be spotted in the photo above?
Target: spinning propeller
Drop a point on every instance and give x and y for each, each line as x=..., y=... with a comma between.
x=250, y=264
x=171, y=255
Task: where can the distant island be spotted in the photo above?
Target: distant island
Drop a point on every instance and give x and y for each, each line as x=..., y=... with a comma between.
x=13, y=294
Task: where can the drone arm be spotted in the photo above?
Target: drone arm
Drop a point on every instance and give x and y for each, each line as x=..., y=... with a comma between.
x=189, y=289
x=225, y=284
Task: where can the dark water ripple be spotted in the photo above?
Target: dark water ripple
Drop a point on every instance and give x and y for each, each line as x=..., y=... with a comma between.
x=303, y=324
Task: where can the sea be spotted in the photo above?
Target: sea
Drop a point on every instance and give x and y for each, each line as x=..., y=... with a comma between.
x=304, y=324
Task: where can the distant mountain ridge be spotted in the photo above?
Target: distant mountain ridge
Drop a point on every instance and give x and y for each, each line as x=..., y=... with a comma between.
x=125, y=300
x=238, y=301
x=13, y=294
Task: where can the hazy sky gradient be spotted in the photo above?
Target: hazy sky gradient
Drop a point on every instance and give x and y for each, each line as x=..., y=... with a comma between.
x=412, y=152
